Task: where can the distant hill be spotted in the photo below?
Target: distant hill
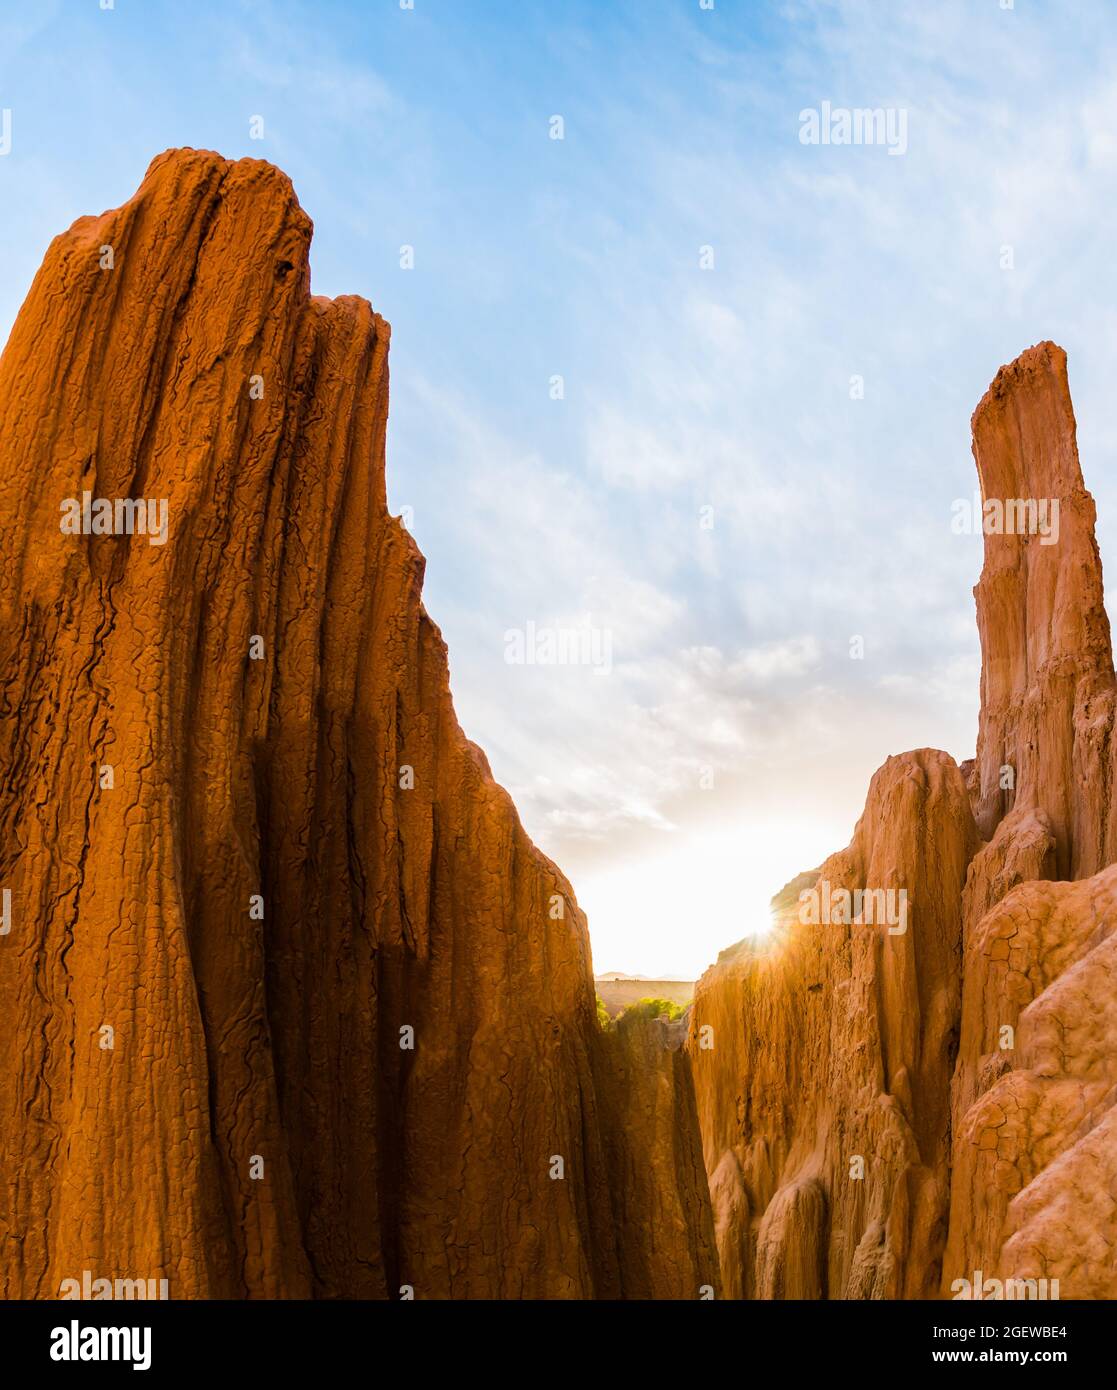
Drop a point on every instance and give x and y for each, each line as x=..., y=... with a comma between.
x=618, y=991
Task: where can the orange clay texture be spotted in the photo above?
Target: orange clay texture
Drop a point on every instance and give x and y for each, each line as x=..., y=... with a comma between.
x=294, y=1008
x=298, y=861
x=885, y=1114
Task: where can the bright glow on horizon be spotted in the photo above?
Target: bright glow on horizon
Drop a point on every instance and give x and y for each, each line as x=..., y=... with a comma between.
x=668, y=916
x=686, y=391
x=762, y=930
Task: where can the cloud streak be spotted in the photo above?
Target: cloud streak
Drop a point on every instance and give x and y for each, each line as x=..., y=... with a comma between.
x=749, y=473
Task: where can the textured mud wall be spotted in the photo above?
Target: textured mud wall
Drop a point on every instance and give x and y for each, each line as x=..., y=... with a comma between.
x=1034, y=1190
x=664, y=1224
x=971, y=1062
x=822, y=1061
x=1047, y=682
x=294, y=1006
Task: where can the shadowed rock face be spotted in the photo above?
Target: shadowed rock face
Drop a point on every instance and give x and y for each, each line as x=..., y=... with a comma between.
x=823, y=1076
x=243, y=831
x=665, y=1235
x=972, y=1062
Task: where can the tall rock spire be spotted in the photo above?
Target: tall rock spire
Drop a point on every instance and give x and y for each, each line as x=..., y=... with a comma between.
x=1047, y=666
x=294, y=1006
x=845, y=1158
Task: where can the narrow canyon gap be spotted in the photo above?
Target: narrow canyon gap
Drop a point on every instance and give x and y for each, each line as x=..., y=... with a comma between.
x=295, y=1006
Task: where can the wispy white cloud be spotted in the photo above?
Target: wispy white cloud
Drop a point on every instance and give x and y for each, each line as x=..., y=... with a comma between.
x=753, y=463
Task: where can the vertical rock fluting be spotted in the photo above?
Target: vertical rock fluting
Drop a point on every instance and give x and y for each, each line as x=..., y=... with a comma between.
x=665, y=1234
x=296, y=1006
x=1035, y=1140
x=250, y=854
x=822, y=1057
x=1047, y=682
x=828, y=1042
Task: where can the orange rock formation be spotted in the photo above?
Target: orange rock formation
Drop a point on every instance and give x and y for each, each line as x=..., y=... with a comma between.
x=823, y=1081
x=663, y=1220
x=885, y=1113
x=295, y=1007
x=1034, y=1189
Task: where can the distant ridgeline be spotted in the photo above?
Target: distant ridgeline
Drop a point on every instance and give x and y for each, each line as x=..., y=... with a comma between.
x=618, y=992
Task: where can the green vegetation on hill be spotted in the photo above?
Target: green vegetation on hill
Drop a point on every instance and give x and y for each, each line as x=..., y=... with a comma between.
x=655, y=1008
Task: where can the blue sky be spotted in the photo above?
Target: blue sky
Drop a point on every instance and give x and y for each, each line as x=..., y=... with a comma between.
x=685, y=388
